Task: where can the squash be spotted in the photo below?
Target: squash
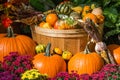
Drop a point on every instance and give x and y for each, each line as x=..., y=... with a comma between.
x=100, y=19
x=49, y=64
x=86, y=10
x=57, y=50
x=85, y=62
x=99, y=14
x=51, y=18
x=64, y=8
x=66, y=55
x=97, y=11
x=115, y=51
x=92, y=16
x=63, y=25
x=75, y=15
x=16, y=43
x=77, y=9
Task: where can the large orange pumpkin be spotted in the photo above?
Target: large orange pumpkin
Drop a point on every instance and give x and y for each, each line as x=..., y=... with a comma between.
x=49, y=64
x=85, y=62
x=16, y=43
x=115, y=50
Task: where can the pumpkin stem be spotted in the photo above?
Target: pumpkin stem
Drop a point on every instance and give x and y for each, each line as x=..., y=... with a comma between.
x=86, y=51
x=47, y=51
x=10, y=32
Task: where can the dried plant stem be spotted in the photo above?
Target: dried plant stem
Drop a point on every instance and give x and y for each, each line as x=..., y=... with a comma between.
x=111, y=58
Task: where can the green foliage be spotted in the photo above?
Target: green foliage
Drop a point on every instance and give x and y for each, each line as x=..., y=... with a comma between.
x=112, y=17
x=111, y=14
x=87, y=2
x=42, y=5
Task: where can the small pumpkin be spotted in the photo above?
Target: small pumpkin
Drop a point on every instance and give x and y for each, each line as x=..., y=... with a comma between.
x=49, y=64
x=92, y=16
x=85, y=62
x=16, y=43
x=51, y=18
x=115, y=51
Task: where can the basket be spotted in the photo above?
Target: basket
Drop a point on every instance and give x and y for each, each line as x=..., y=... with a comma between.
x=73, y=40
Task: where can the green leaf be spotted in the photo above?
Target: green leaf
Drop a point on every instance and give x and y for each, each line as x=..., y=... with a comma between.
x=112, y=32
x=109, y=24
x=106, y=2
x=111, y=13
x=77, y=2
x=118, y=23
x=36, y=4
x=42, y=5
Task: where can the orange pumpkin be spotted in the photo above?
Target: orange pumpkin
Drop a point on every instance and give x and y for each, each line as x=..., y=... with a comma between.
x=85, y=62
x=115, y=50
x=51, y=18
x=49, y=64
x=17, y=43
x=92, y=16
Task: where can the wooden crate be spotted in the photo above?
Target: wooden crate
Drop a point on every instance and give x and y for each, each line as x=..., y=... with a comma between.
x=73, y=40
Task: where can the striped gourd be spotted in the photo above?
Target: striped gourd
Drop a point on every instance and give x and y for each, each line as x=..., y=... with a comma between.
x=64, y=8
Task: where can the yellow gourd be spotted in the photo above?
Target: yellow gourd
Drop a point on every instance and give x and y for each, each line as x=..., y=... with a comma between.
x=86, y=9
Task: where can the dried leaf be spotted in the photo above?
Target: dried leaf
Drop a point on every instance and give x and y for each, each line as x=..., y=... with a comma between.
x=92, y=30
x=28, y=21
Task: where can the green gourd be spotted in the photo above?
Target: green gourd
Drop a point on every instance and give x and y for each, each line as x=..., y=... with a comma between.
x=64, y=8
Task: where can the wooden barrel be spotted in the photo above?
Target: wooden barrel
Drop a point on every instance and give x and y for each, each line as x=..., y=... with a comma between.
x=73, y=40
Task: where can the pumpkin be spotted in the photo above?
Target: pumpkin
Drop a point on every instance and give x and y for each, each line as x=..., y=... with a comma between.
x=92, y=16
x=16, y=43
x=49, y=64
x=85, y=62
x=51, y=18
x=115, y=51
